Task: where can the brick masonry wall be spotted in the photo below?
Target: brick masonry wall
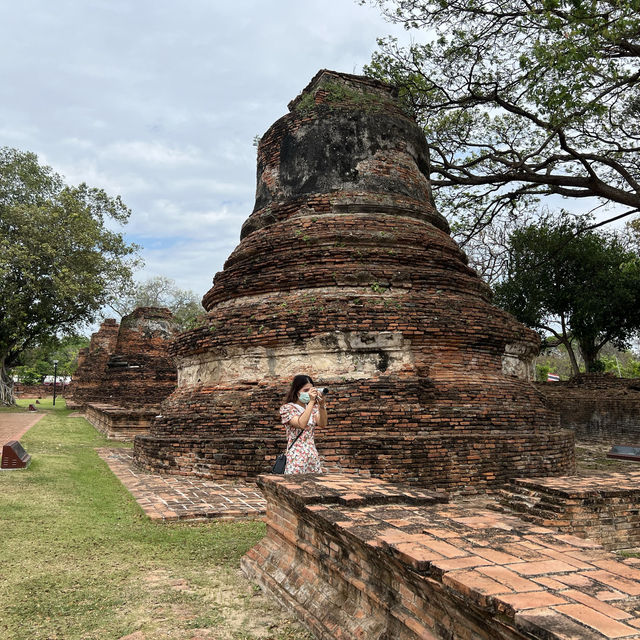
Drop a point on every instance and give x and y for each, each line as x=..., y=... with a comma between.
x=603, y=508
x=119, y=423
x=346, y=272
x=39, y=390
x=599, y=408
x=360, y=558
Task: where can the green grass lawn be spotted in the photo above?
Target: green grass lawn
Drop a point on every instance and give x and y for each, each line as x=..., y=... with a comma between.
x=80, y=560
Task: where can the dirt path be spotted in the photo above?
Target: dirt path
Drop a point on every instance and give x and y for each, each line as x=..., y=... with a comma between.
x=14, y=425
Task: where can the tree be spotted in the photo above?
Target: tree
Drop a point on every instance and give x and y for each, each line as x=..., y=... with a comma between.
x=161, y=291
x=59, y=260
x=37, y=362
x=583, y=289
x=521, y=99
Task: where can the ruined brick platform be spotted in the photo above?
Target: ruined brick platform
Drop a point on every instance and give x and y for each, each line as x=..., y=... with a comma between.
x=359, y=558
x=605, y=508
x=178, y=498
x=119, y=423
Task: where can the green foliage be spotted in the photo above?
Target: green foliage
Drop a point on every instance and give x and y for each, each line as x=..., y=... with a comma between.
x=542, y=370
x=60, y=260
x=554, y=358
x=37, y=362
x=580, y=288
x=338, y=94
x=520, y=100
x=624, y=366
x=161, y=291
x=306, y=104
x=29, y=375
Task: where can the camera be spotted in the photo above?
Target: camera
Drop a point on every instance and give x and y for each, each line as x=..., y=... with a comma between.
x=322, y=390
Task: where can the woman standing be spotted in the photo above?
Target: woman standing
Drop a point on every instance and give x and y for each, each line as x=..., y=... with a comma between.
x=303, y=411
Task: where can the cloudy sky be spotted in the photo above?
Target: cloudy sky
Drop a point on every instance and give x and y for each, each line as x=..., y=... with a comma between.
x=159, y=101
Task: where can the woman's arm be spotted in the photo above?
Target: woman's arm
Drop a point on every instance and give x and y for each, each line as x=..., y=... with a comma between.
x=322, y=412
x=302, y=421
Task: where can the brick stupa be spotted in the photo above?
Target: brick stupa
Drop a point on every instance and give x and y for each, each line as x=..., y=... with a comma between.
x=127, y=372
x=140, y=371
x=347, y=272
x=92, y=365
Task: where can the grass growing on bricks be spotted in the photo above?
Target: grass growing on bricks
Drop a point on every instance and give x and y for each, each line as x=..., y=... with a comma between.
x=80, y=561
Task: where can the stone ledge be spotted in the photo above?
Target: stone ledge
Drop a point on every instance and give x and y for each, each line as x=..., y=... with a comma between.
x=415, y=567
x=609, y=485
x=120, y=423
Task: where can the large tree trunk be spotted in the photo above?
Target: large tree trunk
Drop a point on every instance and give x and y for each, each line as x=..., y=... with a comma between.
x=6, y=387
x=590, y=356
x=575, y=367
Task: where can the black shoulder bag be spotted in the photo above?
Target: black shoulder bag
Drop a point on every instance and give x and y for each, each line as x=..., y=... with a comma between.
x=281, y=460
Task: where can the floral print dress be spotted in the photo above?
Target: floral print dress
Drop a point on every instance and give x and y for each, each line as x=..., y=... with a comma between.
x=302, y=457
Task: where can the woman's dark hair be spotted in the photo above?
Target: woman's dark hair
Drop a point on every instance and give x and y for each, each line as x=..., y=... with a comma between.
x=296, y=384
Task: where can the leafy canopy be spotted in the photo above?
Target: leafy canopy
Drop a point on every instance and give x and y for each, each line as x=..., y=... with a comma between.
x=60, y=259
x=584, y=290
x=160, y=291
x=37, y=362
x=521, y=99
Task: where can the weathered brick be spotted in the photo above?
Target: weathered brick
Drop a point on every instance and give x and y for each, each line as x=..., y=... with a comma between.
x=347, y=272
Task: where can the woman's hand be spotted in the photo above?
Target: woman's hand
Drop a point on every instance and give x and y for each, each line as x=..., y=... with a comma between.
x=313, y=395
x=320, y=399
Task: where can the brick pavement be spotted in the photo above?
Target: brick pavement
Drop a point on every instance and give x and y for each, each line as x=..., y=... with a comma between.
x=14, y=425
x=165, y=497
x=586, y=486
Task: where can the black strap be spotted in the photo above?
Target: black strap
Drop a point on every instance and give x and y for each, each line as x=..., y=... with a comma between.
x=296, y=440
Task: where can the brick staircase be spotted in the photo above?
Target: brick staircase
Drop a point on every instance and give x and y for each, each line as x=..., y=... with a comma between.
x=603, y=508
x=534, y=504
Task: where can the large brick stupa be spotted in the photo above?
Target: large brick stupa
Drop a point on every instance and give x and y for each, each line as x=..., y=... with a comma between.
x=347, y=272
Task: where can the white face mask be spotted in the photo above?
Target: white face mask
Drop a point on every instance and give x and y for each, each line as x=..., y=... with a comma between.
x=304, y=397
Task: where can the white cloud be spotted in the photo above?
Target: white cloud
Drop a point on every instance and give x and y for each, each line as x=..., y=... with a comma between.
x=159, y=102
x=152, y=153
x=167, y=219
x=113, y=182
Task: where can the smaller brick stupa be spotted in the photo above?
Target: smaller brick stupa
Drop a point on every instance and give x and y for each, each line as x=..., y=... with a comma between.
x=126, y=389
x=92, y=365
